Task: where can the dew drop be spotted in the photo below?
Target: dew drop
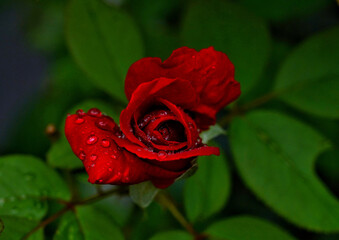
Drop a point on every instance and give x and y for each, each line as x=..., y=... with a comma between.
x=126, y=179
x=94, y=112
x=105, y=143
x=93, y=165
x=82, y=155
x=162, y=155
x=114, y=156
x=93, y=157
x=119, y=174
x=91, y=140
x=213, y=67
x=110, y=169
x=100, y=180
x=80, y=112
x=79, y=120
x=139, y=149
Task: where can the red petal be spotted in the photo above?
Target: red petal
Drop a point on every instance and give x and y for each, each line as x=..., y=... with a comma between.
x=147, y=93
x=91, y=137
x=210, y=72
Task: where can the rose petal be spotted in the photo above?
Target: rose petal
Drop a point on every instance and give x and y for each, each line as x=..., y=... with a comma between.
x=92, y=140
x=210, y=72
x=145, y=96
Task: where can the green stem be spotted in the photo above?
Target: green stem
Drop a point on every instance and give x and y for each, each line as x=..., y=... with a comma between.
x=168, y=203
x=240, y=110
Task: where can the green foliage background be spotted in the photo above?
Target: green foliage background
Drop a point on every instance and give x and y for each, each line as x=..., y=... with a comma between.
x=279, y=172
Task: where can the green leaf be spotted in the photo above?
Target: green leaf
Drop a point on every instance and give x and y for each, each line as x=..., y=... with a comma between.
x=328, y=166
x=206, y=192
x=280, y=10
x=213, y=132
x=246, y=228
x=69, y=228
x=143, y=193
x=233, y=30
x=104, y=42
x=309, y=78
x=14, y=228
x=275, y=156
x=25, y=182
x=171, y=235
x=60, y=155
x=152, y=17
x=87, y=223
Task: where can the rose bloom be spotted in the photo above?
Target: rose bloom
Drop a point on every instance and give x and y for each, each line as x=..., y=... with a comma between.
x=170, y=103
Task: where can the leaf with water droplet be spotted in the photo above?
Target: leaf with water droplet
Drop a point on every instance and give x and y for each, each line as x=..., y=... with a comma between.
x=87, y=222
x=28, y=180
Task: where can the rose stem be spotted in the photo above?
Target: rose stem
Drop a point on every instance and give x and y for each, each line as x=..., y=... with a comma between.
x=168, y=203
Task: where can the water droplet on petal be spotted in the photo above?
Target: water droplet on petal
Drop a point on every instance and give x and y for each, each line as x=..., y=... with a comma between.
x=118, y=174
x=100, y=180
x=91, y=140
x=79, y=120
x=105, y=143
x=113, y=156
x=213, y=67
x=162, y=155
x=94, y=112
x=139, y=149
x=80, y=112
x=93, y=165
x=82, y=155
x=93, y=157
x=110, y=169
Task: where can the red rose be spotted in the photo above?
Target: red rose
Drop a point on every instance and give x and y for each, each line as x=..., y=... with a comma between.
x=159, y=130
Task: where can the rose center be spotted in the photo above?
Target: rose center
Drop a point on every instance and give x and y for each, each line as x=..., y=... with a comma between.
x=172, y=131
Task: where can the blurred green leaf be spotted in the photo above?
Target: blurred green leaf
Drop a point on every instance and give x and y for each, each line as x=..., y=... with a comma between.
x=280, y=10
x=309, y=78
x=60, y=155
x=44, y=25
x=328, y=166
x=172, y=235
x=206, y=192
x=143, y=193
x=25, y=182
x=213, y=132
x=16, y=227
x=157, y=21
x=232, y=30
x=275, y=156
x=87, y=223
x=246, y=228
x=104, y=41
